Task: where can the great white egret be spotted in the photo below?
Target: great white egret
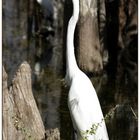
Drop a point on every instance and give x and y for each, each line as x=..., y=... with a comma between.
x=83, y=102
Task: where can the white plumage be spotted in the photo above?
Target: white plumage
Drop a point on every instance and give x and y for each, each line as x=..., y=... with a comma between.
x=83, y=102
x=85, y=108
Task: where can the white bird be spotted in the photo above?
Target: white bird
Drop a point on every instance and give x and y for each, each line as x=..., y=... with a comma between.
x=83, y=102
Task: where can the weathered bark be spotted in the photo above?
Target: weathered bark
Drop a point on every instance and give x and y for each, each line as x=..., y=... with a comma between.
x=89, y=50
x=21, y=118
x=9, y=130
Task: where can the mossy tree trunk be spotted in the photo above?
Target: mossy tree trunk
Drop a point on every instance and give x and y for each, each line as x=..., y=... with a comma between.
x=21, y=118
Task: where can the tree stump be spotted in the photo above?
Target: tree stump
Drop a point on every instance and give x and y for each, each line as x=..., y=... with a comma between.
x=21, y=118
x=89, y=48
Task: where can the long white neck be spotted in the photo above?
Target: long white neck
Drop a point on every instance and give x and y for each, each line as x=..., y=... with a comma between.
x=72, y=67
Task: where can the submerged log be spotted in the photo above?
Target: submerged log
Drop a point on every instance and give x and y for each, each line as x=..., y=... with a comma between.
x=21, y=118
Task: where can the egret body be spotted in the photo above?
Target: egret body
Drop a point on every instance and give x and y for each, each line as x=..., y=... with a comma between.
x=83, y=102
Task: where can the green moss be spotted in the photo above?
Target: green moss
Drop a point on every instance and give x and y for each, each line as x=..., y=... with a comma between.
x=94, y=127
x=19, y=125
